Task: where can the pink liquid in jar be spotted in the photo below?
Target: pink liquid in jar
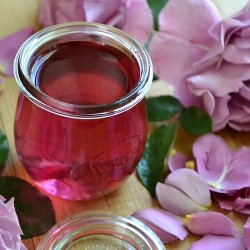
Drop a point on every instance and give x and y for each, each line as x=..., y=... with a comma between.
x=80, y=124
x=75, y=157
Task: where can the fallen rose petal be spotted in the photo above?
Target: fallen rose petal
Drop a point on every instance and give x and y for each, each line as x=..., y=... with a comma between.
x=246, y=234
x=166, y=225
x=239, y=175
x=175, y=201
x=10, y=230
x=238, y=201
x=214, y=242
x=213, y=158
x=177, y=161
x=214, y=223
x=175, y=18
x=9, y=47
x=190, y=183
x=224, y=169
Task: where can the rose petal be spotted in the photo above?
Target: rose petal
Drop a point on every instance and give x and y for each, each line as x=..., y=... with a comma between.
x=246, y=234
x=6, y=241
x=176, y=202
x=245, y=92
x=175, y=18
x=215, y=81
x=238, y=201
x=187, y=98
x=221, y=113
x=208, y=102
x=213, y=158
x=240, y=102
x=238, y=114
x=224, y=169
x=235, y=71
x=10, y=225
x=236, y=55
x=239, y=175
x=9, y=47
x=242, y=43
x=245, y=33
x=225, y=200
x=167, y=63
x=190, y=183
x=244, y=14
x=162, y=223
x=239, y=126
x=138, y=26
x=215, y=242
x=97, y=11
x=12, y=213
x=210, y=223
x=177, y=161
x=53, y=12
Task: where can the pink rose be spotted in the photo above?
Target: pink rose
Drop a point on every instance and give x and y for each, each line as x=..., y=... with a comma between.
x=132, y=16
x=10, y=230
x=207, y=59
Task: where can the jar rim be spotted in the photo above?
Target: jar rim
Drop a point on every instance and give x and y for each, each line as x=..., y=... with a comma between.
x=28, y=88
x=62, y=234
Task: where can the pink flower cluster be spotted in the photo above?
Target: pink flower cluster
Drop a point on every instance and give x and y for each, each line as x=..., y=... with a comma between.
x=122, y=14
x=225, y=170
x=132, y=16
x=207, y=59
x=10, y=230
x=186, y=196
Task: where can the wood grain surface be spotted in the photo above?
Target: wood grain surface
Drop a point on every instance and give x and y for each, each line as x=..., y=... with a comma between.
x=16, y=14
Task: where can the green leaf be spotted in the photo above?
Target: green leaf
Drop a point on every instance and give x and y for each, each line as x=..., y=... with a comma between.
x=151, y=167
x=4, y=150
x=162, y=108
x=156, y=6
x=34, y=210
x=195, y=121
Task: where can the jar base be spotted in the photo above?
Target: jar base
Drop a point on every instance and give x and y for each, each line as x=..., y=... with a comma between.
x=60, y=188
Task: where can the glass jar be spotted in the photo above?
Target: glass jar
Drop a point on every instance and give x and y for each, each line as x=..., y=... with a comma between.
x=100, y=232
x=81, y=125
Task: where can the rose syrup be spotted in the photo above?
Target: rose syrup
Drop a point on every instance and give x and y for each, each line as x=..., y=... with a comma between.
x=81, y=158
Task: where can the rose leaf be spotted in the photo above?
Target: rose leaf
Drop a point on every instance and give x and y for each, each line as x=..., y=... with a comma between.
x=195, y=121
x=34, y=210
x=162, y=108
x=4, y=150
x=151, y=166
